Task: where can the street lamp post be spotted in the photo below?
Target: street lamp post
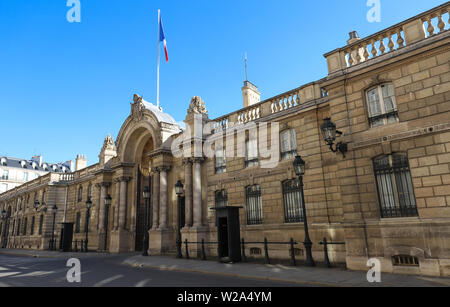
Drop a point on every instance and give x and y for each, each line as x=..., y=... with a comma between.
x=54, y=209
x=88, y=212
x=108, y=200
x=146, y=195
x=179, y=191
x=299, y=168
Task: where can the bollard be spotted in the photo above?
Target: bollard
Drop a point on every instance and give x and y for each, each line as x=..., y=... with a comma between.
x=325, y=251
x=203, y=250
x=244, y=258
x=187, y=249
x=266, y=251
x=292, y=253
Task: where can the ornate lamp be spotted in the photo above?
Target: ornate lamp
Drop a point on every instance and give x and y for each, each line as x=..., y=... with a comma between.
x=330, y=134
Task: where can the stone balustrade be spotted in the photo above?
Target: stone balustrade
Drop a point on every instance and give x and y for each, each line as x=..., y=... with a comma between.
x=271, y=106
x=389, y=40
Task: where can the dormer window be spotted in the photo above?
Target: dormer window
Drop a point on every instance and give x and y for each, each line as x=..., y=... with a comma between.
x=54, y=168
x=23, y=164
x=3, y=161
x=45, y=167
x=34, y=165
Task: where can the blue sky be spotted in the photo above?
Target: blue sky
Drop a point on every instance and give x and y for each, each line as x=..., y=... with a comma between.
x=65, y=86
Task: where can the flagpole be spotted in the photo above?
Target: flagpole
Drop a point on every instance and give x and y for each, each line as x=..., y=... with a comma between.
x=157, y=78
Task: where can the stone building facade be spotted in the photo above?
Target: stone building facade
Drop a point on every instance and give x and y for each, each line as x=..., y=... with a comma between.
x=388, y=197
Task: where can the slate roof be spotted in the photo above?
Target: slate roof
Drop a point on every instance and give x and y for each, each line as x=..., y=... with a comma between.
x=17, y=163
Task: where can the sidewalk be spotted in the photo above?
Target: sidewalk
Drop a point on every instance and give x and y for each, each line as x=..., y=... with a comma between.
x=334, y=277
x=298, y=275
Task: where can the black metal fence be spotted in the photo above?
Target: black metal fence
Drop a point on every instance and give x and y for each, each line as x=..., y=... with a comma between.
x=292, y=244
x=265, y=243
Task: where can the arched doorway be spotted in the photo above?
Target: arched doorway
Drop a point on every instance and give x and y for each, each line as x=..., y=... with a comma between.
x=143, y=212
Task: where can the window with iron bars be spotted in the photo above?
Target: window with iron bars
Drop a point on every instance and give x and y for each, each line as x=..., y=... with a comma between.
x=394, y=186
x=293, y=207
x=254, y=205
x=221, y=198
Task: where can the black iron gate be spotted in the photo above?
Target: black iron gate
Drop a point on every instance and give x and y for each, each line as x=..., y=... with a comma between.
x=142, y=181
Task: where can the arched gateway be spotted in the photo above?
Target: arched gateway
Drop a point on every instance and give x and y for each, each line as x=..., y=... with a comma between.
x=142, y=160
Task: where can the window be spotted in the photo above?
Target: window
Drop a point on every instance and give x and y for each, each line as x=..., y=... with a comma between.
x=25, y=176
x=80, y=194
x=78, y=222
x=253, y=204
x=25, y=224
x=221, y=163
x=41, y=224
x=43, y=197
x=394, y=186
x=381, y=105
x=288, y=144
x=32, y=226
x=221, y=198
x=293, y=206
x=5, y=175
x=18, y=228
x=251, y=153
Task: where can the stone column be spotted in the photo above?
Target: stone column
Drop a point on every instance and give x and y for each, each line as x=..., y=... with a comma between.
x=117, y=204
x=102, y=218
x=155, y=197
x=188, y=191
x=163, y=198
x=197, y=192
x=123, y=202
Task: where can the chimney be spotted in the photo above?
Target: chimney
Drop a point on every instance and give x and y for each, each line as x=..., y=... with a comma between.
x=353, y=37
x=250, y=94
x=80, y=162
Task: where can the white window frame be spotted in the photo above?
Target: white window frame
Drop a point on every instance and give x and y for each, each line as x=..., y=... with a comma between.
x=381, y=104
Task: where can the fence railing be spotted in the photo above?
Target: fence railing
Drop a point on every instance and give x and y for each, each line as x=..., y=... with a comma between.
x=325, y=244
x=266, y=244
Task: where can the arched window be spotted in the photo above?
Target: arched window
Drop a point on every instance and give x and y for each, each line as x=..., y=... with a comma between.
x=288, y=144
x=293, y=206
x=80, y=193
x=381, y=105
x=254, y=205
x=394, y=186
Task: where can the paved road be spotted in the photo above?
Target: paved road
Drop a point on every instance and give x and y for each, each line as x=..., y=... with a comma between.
x=107, y=271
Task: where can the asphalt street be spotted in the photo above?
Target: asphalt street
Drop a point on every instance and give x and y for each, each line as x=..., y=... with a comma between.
x=108, y=271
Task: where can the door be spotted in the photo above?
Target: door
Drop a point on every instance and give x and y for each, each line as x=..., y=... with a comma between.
x=223, y=237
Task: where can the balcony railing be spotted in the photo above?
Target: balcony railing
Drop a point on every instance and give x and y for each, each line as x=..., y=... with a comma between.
x=428, y=24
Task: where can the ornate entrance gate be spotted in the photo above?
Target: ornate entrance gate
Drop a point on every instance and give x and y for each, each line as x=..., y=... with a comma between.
x=142, y=181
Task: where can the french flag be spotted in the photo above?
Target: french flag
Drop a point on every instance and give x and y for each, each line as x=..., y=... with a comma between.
x=162, y=37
